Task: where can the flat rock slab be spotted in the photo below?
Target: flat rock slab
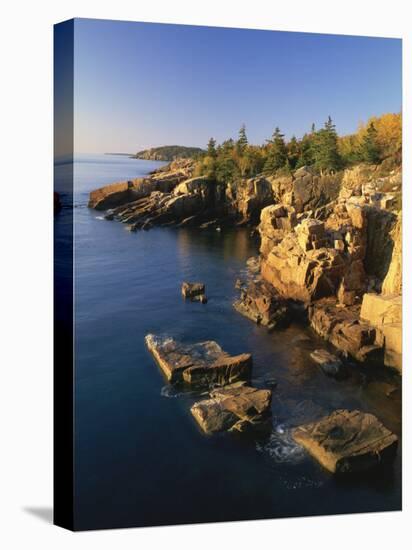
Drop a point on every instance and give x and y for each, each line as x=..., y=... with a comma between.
x=235, y=408
x=203, y=364
x=348, y=441
x=329, y=363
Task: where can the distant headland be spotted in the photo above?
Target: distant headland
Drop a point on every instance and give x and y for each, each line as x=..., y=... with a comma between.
x=169, y=153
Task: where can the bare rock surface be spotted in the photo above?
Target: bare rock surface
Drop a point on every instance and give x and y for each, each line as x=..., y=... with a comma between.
x=347, y=441
x=342, y=327
x=303, y=275
x=384, y=312
x=235, y=407
x=260, y=302
x=202, y=364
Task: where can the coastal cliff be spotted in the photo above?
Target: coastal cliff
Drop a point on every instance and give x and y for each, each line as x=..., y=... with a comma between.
x=330, y=244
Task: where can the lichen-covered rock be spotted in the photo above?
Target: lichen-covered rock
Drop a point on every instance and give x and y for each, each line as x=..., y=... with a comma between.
x=348, y=441
x=233, y=408
x=204, y=363
x=260, y=302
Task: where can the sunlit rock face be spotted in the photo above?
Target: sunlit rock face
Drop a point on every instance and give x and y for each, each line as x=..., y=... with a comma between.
x=235, y=408
x=202, y=364
x=348, y=441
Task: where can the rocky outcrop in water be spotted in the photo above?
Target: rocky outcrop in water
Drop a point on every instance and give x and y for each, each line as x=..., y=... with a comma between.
x=235, y=408
x=260, y=302
x=231, y=405
x=201, y=364
x=348, y=441
x=194, y=292
x=126, y=192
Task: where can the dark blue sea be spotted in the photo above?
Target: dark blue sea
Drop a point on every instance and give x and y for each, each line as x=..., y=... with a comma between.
x=140, y=459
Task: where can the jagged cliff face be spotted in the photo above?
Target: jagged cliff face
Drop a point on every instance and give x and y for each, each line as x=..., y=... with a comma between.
x=333, y=243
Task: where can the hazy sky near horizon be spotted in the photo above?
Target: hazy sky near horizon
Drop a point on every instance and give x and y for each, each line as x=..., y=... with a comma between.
x=140, y=85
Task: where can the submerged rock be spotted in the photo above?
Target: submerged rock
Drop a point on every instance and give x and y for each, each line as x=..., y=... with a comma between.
x=194, y=291
x=203, y=364
x=347, y=441
x=329, y=363
x=235, y=408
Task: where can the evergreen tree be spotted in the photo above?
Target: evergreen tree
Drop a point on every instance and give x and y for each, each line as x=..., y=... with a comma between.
x=242, y=141
x=293, y=150
x=277, y=153
x=326, y=154
x=226, y=168
x=211, y=148
x=369, y=149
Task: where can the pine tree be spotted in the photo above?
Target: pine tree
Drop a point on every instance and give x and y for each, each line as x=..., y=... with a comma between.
x=326, y=154
x=293, y=152
x=277, y=153
x=369, y=149
x=242, y=141
x=211, y=148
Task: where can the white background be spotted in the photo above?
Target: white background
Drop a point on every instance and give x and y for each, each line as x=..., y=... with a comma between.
x=26, y=272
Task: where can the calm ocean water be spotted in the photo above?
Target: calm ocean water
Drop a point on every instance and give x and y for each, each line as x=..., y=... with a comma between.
x=140, y=458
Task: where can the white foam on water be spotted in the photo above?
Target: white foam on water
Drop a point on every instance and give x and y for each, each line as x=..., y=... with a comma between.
x=99, y=217
x=171, y=392
x=281, y=447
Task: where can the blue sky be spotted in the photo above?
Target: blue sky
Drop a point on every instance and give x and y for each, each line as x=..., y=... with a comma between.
x=139, y=84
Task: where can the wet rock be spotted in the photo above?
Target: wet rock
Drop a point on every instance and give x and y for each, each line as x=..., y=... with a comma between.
x=348, y=441
x=194, y=291
x=343, y=328
x=329, y=363
x=235, y=408
x=204, y=363
x=260, y=302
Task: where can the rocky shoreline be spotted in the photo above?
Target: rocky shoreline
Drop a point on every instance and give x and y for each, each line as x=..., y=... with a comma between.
x=330, y=254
